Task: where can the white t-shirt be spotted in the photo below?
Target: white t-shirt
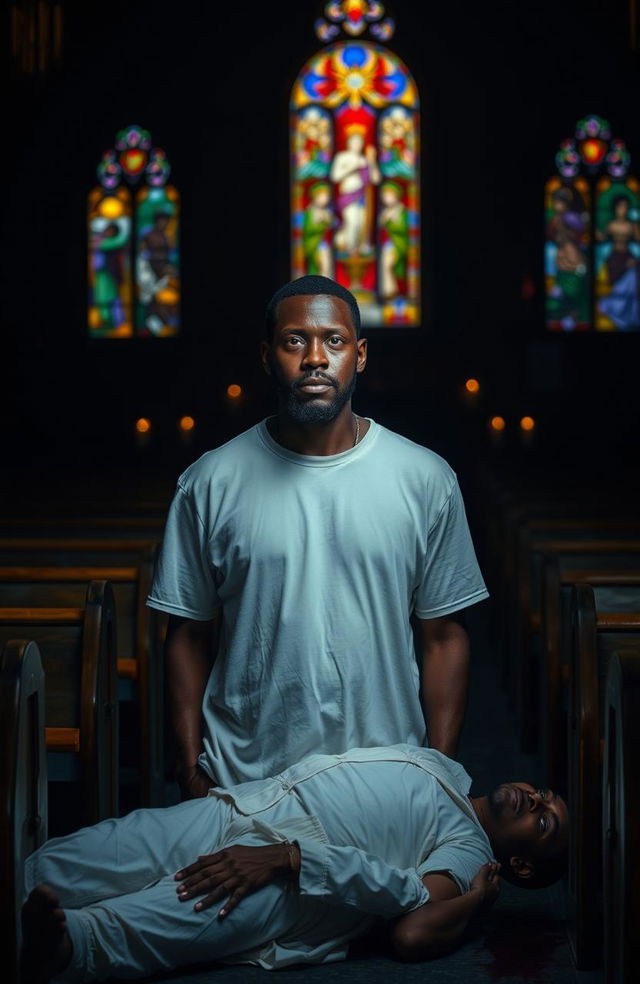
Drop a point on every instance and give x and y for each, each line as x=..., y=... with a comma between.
x=317, y=563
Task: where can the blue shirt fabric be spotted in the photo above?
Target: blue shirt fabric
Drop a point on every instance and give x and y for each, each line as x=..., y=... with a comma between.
x=317, y=563
x=370, y=824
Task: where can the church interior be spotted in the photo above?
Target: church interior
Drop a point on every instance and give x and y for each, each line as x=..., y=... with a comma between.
x=498, y=272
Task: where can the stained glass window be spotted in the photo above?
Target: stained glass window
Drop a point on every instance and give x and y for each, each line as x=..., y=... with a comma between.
x=355, y=180
x=592, y=241
x=133, y=248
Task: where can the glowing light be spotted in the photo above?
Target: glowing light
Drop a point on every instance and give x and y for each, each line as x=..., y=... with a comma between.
x=143, y=426
x=593, y=151
x=111, y=208
x=497, y=423
x=187, y=423
x=234, y=391
x=527, y=423
x=472, y=386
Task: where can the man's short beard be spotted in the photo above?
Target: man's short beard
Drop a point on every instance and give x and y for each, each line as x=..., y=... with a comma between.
x=497, y=800
x=303, y=411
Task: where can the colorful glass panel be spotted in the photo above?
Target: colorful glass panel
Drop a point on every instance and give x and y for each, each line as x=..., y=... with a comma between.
x=109, y=255
x=617, y=254
x=355, y=175
x=157, y=262
x=567, y=259
x=592, y=242
x=134, y=259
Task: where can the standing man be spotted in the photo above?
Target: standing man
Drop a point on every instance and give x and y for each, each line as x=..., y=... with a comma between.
x=295, y=556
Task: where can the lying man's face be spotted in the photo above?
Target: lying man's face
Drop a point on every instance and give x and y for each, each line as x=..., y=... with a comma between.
x=529, y=830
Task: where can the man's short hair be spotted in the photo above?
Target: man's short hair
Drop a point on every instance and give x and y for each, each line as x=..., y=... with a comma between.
x=311, y=285
x=547, y=871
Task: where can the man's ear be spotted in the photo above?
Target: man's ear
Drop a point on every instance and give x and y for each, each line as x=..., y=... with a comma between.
x=265, y=352
x=521, y=868
x=362, y=355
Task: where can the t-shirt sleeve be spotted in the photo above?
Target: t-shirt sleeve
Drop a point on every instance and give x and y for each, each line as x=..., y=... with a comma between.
x=183, y=581
x=461, y=857
x=451, y=577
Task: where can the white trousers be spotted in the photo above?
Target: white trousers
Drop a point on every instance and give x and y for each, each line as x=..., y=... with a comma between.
x=116, y=883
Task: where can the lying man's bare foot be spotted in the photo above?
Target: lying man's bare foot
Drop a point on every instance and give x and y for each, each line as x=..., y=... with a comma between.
x=46, y=945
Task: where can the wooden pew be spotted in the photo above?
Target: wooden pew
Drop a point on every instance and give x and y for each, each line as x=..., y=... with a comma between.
x=78, y=651
x=103, y=549
x=595, y=637
x=139, y=659
x=524, y=649
x=621, y=818
x=560, y=572
x=23, y=783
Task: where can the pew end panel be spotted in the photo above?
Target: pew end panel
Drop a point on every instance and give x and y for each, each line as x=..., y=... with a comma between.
x=23, y=782
x=621, y=818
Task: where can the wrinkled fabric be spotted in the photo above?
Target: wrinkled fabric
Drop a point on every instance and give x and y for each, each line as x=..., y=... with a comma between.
x=317, y=563
x=370, y=824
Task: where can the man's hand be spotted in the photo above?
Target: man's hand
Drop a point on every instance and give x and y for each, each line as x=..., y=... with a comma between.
x=487, y=884
x=193, y=782
x=235, y=871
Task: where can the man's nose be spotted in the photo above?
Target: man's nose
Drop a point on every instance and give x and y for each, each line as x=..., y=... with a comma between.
x=535, y=800
x=315, y=354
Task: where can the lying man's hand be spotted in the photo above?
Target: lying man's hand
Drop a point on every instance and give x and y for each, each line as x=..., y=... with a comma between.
x=487, y=884
x=235, y=871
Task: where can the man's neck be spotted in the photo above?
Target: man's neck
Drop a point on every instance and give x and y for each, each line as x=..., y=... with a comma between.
x=480, y=805
x=318, y=439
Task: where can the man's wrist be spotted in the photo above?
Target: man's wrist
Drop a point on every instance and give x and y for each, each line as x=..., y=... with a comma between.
x=291, y=865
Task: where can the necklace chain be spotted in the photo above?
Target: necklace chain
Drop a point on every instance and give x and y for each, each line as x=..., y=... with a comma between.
x=357, y=429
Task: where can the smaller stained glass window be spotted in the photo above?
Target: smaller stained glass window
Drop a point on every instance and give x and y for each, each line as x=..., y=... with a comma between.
x=133, y=250
x=592, y=238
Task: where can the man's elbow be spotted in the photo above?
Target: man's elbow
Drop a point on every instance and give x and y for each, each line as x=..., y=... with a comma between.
x=412, y=943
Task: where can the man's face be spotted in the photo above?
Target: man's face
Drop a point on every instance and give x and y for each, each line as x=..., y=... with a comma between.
x=527, y=821
x=622, y=209
x=314, y=357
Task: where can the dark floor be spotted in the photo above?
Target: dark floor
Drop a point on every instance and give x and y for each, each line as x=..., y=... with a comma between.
x=522, y=940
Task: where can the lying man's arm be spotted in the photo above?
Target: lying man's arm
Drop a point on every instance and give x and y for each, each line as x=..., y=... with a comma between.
x=439, y=925
x=343, y=876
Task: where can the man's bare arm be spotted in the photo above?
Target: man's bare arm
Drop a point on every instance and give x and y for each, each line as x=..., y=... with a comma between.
x=445, y=671
x=189, y=651
x=439, y=925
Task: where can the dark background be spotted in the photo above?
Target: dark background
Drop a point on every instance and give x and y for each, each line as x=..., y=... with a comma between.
x=501, y=84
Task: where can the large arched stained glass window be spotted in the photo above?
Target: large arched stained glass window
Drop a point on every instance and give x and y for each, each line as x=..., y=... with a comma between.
x=355, y=181
x=133, y=249
x=592, y=238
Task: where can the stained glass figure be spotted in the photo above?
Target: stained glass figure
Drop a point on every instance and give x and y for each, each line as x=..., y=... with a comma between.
x=110, y=295
x=592, y=242
x=617, y=254
x=567, y=254
x=134, y=258
x=355, y=206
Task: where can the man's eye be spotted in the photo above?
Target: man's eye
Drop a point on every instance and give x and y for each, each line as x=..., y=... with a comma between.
x=335, y=339
x=543, y=824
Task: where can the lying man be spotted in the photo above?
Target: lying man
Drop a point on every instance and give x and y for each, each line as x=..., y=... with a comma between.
x=302, y=863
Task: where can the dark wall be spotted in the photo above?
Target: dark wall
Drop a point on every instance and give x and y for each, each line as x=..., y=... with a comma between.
x=501, y=82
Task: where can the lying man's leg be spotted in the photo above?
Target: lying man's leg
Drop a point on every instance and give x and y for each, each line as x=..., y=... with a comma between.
x=126, y=854
x=144, y=932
